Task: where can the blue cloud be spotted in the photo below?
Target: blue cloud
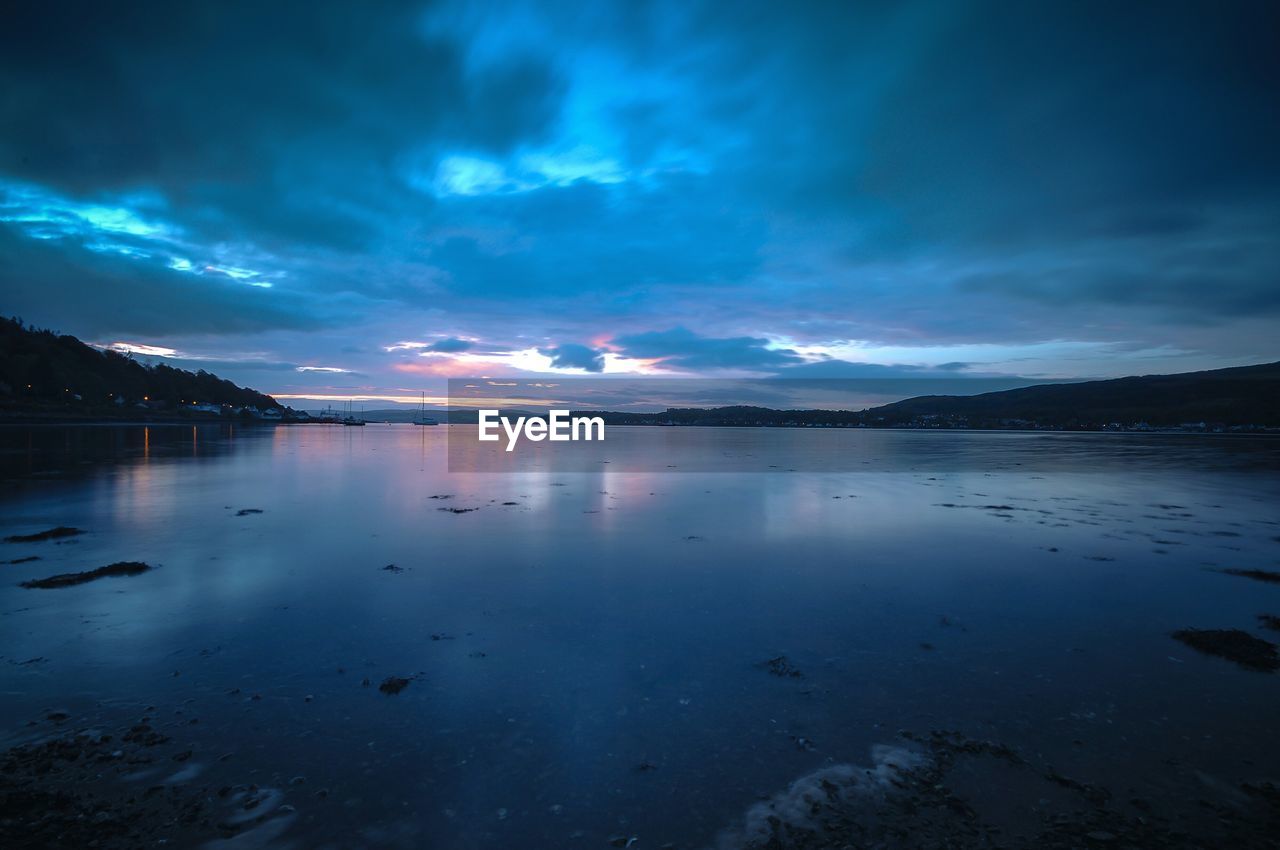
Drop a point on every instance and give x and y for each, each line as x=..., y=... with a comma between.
x=894, y=175
x=575, y=356
x=682, y=348
x=449, y=345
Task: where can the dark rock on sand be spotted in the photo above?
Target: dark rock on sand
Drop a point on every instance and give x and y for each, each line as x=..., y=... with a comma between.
x=120, y=568
x=393, y=685
x=458, y=510
x=1269, y=621
x=1256, y=575
x=51, y=534
x=1234, y=645
x=25, y=560
x=248, y=511
x=782, y=667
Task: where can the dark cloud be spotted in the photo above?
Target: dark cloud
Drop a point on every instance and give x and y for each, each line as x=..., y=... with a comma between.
x=1001, y=121
x=593, y=238
x=1202, y=281
x=449, y=345
x=153, y=92
x=682, y=348
x=269, y=117
x=574, y=356
x=916, y=175
x=97, y=294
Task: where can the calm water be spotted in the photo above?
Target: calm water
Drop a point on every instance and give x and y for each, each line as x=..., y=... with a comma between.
x=587, y=660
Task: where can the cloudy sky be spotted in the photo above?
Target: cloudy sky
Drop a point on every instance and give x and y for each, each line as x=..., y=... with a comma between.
x=342, y=199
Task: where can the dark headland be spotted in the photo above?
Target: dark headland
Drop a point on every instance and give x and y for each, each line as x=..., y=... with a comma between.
x=50, y=377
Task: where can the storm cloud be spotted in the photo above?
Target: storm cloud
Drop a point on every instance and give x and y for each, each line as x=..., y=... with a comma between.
x=574, y=356
x=1061, y=189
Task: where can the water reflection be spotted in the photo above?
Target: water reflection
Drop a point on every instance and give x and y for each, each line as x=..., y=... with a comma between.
x=562, y=630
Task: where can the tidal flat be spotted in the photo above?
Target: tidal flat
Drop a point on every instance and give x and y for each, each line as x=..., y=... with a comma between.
x=336, y=642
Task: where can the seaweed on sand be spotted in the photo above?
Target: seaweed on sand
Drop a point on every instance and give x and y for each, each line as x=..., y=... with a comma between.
x=80, y=789
x=120, y=568
x=1234, y=645
x=1256, y=575
x=40, y=536
x=782, y=667
x=393, y=685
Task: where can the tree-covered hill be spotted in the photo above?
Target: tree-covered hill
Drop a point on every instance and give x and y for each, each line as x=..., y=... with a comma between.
x=42, y=371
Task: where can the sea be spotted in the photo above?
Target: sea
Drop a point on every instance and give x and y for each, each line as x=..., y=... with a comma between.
x=346, y=641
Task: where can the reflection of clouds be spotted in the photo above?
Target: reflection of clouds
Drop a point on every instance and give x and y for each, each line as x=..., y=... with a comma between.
x=341, y=502
x=804, y=506
x=651, y=601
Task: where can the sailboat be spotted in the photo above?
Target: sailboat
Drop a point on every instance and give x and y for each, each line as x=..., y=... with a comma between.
x=349, y=419
x=423, y=418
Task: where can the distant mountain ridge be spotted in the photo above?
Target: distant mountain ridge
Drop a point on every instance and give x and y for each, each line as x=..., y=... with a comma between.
x=1239, y=397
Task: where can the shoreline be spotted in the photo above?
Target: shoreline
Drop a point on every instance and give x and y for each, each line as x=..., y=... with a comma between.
x=40, y=419
x=1259, y=431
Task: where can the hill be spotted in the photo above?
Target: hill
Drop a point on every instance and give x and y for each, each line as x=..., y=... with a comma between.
x=1242, y=396
x=44, y=374
x=1246, y=397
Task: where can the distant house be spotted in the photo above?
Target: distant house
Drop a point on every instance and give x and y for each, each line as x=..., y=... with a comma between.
x=206, y=407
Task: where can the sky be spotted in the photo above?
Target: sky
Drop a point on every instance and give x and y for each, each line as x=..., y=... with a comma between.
x=340, y=200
